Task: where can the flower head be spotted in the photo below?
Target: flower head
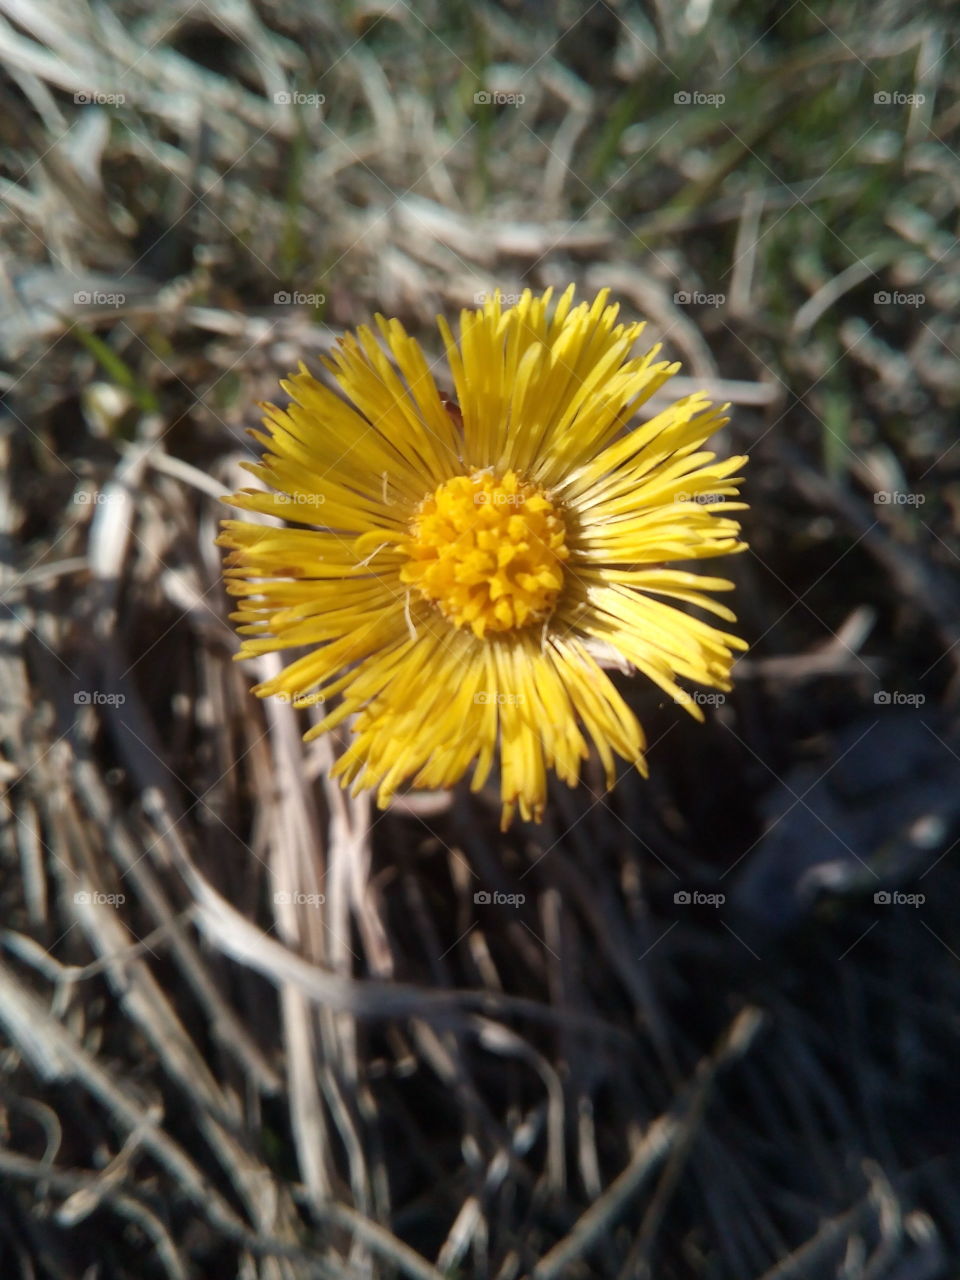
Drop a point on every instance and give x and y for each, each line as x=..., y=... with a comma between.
x=456, y=564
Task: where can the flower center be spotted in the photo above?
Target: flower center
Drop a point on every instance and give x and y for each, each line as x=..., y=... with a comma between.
x=488, y=551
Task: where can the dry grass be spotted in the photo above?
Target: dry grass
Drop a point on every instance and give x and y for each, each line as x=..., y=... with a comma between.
x=253, y=1028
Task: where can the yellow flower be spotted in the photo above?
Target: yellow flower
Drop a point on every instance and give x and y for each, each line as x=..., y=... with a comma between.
x=459, y=562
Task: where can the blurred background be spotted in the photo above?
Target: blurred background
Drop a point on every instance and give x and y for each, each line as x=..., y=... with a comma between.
x=702, y=1026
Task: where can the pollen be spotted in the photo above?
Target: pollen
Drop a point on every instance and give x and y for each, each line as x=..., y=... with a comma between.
x=488, y=552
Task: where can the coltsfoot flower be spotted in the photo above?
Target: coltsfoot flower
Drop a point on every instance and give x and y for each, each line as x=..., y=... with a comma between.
x=458, y=566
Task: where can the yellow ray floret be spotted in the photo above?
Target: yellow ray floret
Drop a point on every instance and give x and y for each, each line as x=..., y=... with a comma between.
x=450, y=568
